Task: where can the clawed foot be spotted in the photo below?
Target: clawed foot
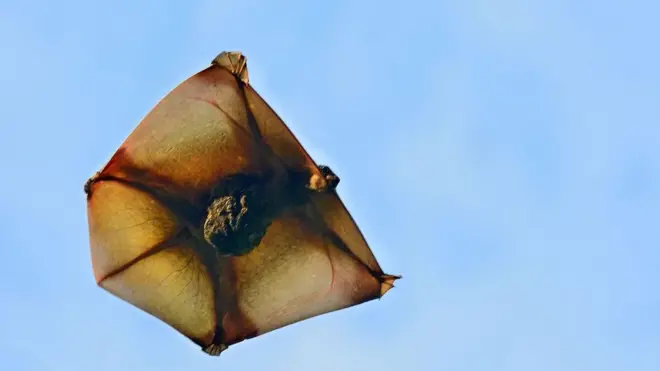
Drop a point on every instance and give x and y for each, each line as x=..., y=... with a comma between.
x=234, y=62
x=214, y=349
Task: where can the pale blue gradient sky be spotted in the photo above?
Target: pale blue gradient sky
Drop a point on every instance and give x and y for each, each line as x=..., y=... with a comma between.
x=503, y=156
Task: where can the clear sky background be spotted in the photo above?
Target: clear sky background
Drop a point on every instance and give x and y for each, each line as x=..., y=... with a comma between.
x=504, y=156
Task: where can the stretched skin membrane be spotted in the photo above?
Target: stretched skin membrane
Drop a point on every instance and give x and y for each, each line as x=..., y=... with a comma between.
x=212, y=217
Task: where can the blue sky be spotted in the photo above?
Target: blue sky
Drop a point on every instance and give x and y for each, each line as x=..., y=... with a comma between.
x=504, y=156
